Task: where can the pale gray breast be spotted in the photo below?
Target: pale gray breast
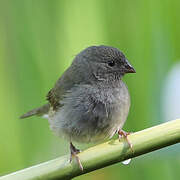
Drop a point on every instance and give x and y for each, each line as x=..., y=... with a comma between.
x=121, y=105
x=91, y=113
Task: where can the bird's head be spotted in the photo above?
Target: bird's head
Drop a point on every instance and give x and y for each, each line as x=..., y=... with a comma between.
x=104, y=62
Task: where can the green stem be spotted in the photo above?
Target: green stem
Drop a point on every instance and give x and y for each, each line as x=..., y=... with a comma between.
x=104, y=154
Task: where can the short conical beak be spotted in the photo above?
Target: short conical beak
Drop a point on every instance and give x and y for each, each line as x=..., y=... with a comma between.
x=129, y=68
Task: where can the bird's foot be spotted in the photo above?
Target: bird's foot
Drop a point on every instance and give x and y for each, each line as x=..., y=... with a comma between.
x=124, y=134
x=74, y=152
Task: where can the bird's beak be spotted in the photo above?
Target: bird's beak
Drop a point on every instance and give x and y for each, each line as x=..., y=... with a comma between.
x=128, y=68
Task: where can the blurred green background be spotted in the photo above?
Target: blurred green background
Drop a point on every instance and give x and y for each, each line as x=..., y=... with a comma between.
x=39, y=39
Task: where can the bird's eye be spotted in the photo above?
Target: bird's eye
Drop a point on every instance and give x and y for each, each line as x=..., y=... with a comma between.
x=111, y=63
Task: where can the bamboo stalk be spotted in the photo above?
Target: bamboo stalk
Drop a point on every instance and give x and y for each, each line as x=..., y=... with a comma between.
x=103, y=155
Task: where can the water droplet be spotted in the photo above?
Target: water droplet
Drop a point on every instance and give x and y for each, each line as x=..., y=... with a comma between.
x=126, y=162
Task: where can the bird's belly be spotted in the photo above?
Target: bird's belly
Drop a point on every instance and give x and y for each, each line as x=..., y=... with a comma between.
x=83, y=130
x=91, y=118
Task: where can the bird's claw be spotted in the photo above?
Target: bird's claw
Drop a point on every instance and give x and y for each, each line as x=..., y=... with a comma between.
x=74, y=153
x=124, y=134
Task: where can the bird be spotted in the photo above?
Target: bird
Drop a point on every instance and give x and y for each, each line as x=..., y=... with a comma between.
x=89, y=102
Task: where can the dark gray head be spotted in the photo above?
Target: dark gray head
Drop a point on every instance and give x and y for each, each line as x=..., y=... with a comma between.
x=104, y=62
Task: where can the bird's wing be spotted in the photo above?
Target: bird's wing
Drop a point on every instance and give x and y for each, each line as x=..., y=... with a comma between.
x=64, y=84
x=53, y=98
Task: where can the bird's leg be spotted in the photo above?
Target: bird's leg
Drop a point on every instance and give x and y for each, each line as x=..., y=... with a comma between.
x=74, y=153
x=124, y=134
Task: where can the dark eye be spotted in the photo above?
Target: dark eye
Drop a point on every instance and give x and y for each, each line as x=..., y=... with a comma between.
x=111, y=63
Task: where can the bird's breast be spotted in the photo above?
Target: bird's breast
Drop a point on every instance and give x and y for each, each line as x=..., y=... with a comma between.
x=91, y=113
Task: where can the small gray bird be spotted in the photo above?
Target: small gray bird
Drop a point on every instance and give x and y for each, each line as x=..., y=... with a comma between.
x=89, y=102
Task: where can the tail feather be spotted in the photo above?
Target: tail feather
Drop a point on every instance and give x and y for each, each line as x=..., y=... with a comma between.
x=43, y=110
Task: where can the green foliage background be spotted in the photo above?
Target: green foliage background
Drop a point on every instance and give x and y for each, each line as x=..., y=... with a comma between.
x=38, y=40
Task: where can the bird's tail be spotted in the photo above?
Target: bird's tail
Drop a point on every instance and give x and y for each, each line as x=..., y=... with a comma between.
x=41, y=111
